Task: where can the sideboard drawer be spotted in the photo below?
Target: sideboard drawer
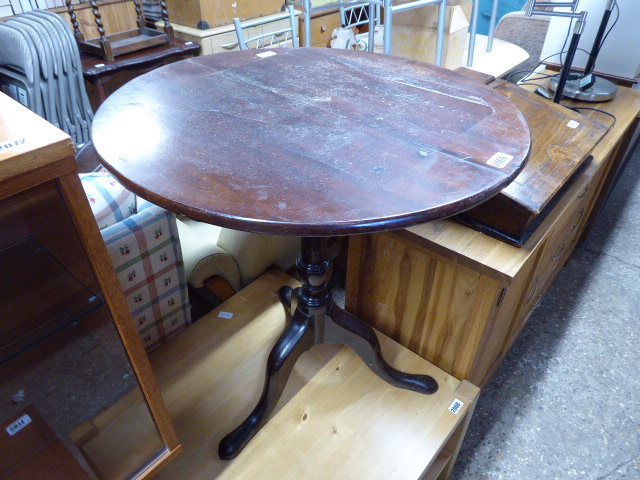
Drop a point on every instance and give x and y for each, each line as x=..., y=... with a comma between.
x=322, y=26
x=560, y=243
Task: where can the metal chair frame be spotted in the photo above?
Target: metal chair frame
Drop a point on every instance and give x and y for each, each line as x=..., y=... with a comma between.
x=268, y=39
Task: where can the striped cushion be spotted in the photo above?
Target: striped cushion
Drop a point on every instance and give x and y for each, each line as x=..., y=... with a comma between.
x=110, y=202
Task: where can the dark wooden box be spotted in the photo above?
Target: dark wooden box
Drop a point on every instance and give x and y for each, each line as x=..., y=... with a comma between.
x=561, y=144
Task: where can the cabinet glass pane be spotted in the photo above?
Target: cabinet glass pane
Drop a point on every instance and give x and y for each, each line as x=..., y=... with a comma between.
x=70, y=403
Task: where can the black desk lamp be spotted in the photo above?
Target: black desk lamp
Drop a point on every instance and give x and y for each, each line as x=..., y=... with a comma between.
x=581, y=86
x=562, y=80
x=587, y=86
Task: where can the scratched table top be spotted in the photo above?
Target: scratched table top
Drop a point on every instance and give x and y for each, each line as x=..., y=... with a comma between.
x=310, y=142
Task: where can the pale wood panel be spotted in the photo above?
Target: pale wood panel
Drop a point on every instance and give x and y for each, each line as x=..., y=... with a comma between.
x=224, y=38
x=429, y=304
x=23, y=138
x=190, y=12
x=503, y=325
x=322, y=27
x=336, y=418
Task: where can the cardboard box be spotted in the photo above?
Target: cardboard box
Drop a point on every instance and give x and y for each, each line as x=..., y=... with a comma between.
x=415, y=33
x=205, y=14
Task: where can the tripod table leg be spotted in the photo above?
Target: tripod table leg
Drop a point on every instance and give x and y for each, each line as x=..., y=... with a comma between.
x=342, y=327
x=297, y=338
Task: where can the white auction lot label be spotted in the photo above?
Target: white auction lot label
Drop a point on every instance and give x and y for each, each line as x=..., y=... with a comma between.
x=500, y=160
x=18, y=425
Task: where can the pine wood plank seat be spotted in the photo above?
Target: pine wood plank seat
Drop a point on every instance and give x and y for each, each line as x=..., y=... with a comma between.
x=237, y=139
x=332, y=398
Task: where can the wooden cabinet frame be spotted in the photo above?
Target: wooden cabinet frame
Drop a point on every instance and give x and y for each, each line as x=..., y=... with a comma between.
x=39, y=153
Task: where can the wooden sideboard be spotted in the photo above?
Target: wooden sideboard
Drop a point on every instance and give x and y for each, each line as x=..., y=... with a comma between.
x=458, y=297
x=223, y=38
x=102, y=78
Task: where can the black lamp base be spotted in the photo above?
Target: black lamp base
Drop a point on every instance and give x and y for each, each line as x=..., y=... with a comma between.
x=602, y=89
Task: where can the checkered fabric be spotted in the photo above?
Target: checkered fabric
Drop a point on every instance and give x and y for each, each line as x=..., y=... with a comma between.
x=110, y=202
x=145, y=250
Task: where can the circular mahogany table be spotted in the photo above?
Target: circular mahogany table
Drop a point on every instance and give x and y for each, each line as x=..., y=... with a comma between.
x=313, y=143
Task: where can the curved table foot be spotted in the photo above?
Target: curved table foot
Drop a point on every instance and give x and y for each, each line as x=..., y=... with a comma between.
x=286, y=294
x=296, y=339
x=342, y=327
x=315, y=319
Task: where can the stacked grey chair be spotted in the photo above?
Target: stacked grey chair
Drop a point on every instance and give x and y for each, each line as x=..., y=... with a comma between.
x=40, y=67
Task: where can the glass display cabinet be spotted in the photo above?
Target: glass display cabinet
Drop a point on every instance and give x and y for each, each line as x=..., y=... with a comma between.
x=78, y=399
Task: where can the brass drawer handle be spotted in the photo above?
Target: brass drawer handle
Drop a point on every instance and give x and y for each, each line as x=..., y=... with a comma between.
x=534, y=285
x=557, y=255
x=586, y=189
x=538, y=301
x=580, y=215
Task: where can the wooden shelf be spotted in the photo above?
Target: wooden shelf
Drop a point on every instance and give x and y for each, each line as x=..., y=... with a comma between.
x=40, y=296
x=336, y=418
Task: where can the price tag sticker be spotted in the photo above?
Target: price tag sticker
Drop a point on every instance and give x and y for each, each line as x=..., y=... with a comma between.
x=456, y=406
x=270, y=53
x=18, y=425
x=225, y=315
x=573, y=124
x=500, y=160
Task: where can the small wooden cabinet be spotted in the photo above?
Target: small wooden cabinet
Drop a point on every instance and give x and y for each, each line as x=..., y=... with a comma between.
x=69, y=351
x=458, y=297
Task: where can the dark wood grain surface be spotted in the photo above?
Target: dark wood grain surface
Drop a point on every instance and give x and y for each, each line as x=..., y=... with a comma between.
x=94, y=66
x=310, y=141
x=562, y=142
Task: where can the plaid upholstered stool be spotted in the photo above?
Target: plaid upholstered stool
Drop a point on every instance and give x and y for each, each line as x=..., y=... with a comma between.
x=143, y=243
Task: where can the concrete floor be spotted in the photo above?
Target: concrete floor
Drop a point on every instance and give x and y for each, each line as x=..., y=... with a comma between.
x=565, y=403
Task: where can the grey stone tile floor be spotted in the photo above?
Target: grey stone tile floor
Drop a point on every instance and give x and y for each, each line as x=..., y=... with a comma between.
x=565, y=403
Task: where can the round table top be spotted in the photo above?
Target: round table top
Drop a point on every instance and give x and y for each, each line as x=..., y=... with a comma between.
x=310, y=142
